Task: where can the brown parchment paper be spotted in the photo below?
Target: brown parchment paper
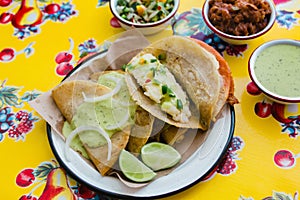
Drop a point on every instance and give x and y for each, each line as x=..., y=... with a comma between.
x=120, y=52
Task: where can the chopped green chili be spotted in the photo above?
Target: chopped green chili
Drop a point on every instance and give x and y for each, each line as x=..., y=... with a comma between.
x=164, y=89
x=179, y=104
x=153, y=60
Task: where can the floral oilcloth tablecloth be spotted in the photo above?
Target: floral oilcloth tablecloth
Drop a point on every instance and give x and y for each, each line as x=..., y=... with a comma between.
x=37, y=52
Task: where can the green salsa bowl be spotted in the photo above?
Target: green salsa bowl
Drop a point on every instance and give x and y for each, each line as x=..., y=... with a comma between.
x=274, y=67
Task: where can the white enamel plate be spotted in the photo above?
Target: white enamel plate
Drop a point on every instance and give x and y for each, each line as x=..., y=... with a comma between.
x=193, y=170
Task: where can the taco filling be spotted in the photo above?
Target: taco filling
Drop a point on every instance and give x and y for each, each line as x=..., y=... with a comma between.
x=159, y=84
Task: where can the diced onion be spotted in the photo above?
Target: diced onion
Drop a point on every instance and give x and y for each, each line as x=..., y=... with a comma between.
x=88, y=128
x=153, y=14
x=119, y=124
x=105, y=96
x=120, y=9
x=151, y=6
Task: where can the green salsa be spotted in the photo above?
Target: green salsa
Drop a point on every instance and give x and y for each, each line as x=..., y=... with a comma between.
x=277, y=68
x=106, y=113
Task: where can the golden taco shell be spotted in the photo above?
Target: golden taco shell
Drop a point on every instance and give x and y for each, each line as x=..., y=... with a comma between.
x=227, y=83
x=98, y=155
x=68, y=95
x=195, y=69
x=173, y=135
x=140, y=131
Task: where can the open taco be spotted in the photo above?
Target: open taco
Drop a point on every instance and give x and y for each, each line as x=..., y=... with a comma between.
x=180, y=82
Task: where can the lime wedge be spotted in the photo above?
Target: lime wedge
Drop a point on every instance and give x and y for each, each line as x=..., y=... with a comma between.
x=159, y=156
x=133, y=168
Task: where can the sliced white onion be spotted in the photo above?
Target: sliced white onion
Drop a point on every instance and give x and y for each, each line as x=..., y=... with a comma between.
x=105, y=96
x=123, y=103
x=119, y=124
x=75, y=132
x=113, y=79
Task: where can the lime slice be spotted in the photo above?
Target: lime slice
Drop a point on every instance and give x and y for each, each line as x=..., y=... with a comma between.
x=159, y=156
x=133, y=168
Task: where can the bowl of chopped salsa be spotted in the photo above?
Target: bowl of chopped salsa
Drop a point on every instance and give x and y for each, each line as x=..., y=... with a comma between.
x=274, y=68
x=148, y=16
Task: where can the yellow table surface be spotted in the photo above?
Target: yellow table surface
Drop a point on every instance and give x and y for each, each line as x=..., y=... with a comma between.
x=28, y=68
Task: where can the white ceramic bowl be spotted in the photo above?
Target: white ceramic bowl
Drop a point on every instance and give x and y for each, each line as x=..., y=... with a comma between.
x=238, y=40
x=288, y=81
x=146, y=29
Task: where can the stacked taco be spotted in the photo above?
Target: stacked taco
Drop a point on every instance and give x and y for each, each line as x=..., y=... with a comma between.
x=175, y=84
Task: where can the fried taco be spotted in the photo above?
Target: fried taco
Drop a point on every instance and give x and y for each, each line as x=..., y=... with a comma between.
x=106, y=105
x=68, y=95
x=140, y=131
x=173, y=135
x=180, y=82
x=143, y=121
